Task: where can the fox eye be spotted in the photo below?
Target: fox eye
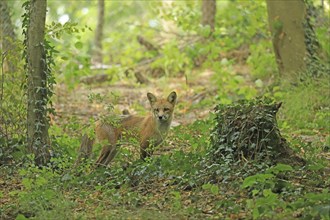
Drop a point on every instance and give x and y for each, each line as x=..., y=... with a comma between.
x=157, y=110
x=166, y=109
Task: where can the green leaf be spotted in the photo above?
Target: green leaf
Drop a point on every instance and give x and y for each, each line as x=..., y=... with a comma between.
x=20, y=217
x=314, y=167
x=318, y=196
x=206, y=186
x=49, y=194
x=40, y=181
x=78, y=45
x=258, y=178
x=22, y=172
x=256, y=213
x=27, y=183
x=255, y=192
x=279, y=168
x=268, y=193
x=214, y=189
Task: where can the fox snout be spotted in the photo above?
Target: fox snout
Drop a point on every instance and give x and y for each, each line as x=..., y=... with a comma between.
x=162, y=117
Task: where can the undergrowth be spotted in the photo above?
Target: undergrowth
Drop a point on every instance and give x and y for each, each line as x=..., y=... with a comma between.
x=179, y=183
x=307, y=104
x=187, y=178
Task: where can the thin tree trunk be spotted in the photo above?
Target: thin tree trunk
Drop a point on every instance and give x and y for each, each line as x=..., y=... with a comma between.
x=37, y=122
x=98, y=57
x=286, y=20
x=8, y=38
x=208, y=13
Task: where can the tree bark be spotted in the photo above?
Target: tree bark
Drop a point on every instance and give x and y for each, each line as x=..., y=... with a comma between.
x=286, y=21
x=98, y=57
x=37, y=121
x=208, y=13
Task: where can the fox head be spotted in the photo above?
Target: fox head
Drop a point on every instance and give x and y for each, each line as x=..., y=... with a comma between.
x=162, y=109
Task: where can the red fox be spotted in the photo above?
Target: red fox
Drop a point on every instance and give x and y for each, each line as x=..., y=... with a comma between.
x=149, y=131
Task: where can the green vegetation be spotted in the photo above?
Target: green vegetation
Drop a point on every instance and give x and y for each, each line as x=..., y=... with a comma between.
x=216, y=162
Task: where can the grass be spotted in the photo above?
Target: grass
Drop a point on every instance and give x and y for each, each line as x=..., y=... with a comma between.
x=176, y=183
x=307, y=106
x=305, y=115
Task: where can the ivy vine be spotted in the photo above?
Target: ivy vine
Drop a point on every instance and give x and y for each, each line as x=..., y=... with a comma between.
x=43, y=104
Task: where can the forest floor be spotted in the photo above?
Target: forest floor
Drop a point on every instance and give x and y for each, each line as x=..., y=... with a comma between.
x=127, y=94
x=123, y=94
x=44, y=194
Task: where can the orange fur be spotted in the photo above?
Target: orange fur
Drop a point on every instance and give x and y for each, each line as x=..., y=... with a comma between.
x=149, y=131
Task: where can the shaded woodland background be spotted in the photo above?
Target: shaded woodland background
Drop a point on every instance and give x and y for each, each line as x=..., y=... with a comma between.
x=64, y=64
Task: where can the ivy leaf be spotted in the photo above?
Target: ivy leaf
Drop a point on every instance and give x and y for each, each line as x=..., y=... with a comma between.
x=259, y=178
x=279, y=168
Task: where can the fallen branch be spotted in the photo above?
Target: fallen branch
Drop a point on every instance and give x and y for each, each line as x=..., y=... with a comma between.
x=95, y=79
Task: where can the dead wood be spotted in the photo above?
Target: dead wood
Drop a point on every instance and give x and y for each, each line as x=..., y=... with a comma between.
x=95, y=79
x=147, y=44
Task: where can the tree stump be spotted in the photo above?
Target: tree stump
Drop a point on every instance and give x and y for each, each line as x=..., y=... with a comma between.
x=248, y=130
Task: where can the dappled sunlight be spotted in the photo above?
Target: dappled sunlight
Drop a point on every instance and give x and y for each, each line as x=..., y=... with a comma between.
x=164, y=109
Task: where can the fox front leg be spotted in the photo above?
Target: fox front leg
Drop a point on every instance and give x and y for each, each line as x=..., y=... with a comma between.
x=146, y=150
x=106, y=150
x=110, y=156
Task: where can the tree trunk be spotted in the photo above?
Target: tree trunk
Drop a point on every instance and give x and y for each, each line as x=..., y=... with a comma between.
x=37, y=121
x=208, y=13
x=286, y=20
x=8, y=39
x=97, y=56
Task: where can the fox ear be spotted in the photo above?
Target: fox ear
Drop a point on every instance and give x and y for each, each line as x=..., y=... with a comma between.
x=172, y=98
x=151, y=97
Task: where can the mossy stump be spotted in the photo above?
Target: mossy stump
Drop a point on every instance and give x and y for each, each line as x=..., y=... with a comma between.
x=248, y=130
